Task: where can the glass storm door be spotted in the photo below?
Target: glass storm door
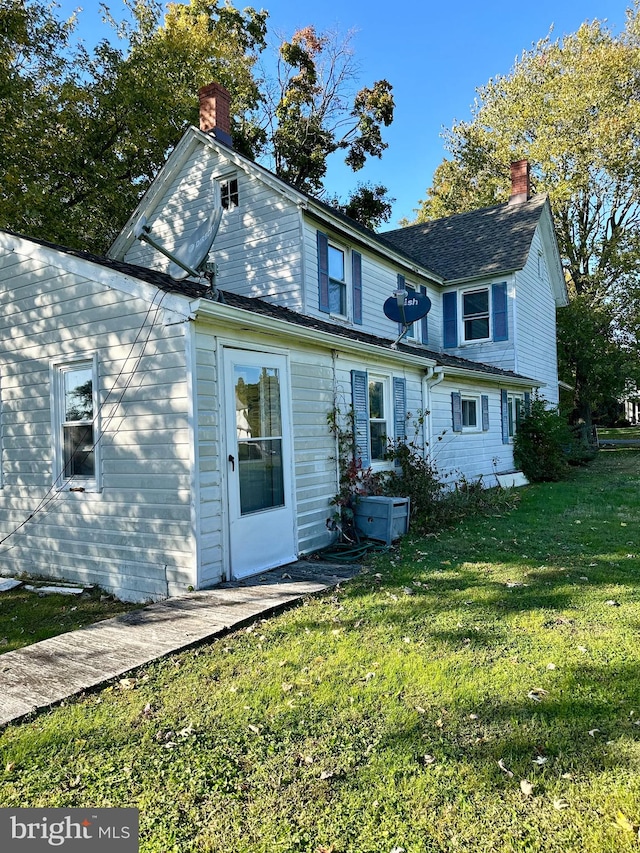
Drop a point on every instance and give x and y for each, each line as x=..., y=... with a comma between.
x=261, y=517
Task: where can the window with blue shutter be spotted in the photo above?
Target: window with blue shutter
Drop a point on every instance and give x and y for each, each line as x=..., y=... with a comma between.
x=356, y=286
x=424, y=323
x=485, y=412
x=504, y=411
x=450, y=320
x=323, y=272
x=527, y=403
x=456, y=409
x=360, y=403
x=500, y=312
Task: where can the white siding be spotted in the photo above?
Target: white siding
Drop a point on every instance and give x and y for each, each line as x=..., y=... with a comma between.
x=379, y=281
x=499, y=354
x=258, y=246
x=467, y=454
x=134, y=537
x=536, y=323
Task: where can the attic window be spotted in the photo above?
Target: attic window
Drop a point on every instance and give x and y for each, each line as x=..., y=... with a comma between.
x=229, y=194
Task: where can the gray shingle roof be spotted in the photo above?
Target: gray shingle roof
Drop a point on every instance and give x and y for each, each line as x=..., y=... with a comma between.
x=481, y=243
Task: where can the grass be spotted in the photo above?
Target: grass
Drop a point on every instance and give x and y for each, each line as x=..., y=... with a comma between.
x=619, y=432
x=26, y=617
x=473, y=691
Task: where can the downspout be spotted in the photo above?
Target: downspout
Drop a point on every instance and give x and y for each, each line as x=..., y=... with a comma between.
x=433, y=377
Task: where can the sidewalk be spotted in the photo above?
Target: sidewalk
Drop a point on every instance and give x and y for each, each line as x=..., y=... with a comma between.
x=44, y=673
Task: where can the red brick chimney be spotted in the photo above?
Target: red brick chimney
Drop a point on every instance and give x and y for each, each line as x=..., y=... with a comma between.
x=520, y=182
x=214, y=112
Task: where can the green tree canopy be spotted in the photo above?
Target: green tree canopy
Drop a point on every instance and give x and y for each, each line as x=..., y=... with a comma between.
x=85, y=132
x=311, y=112
x=572, y=108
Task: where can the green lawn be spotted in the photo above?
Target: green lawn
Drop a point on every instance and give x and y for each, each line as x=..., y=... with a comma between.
x=619, y=432
x=478, y=690
x=27, y=617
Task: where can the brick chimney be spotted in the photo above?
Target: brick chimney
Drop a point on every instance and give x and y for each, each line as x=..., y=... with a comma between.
x=214, y=112
x=520, y=182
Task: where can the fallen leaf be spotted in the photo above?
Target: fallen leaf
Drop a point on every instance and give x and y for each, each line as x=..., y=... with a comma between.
x=624, y=823
x=560, y=804
x=422, y=710
x=551, y=666
x=567, y=776
x=582, y=649
x=537, y=693
x=504, y=769
x=540, y=760
x=526, y=787
x=10, y=767
x=254, y=729
x=612, y=603
x=327, y=774
x=428, y=759
x=287, y=687
x=474, y=717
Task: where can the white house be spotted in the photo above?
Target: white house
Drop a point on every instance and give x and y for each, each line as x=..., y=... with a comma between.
x=158, y=435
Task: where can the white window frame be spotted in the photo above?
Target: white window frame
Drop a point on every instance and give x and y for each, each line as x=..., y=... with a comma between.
x=475, y=399
x=228, y=193
x=387, y=419
x=344, y=282
x=514, y=412
x=462, y=319
x=58, y=371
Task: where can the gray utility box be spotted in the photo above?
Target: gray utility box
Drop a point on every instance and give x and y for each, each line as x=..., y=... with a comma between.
x=382, y=518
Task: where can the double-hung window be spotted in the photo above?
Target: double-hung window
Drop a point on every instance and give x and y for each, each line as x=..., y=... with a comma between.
x=378, y=414
x=475, y=314
x=75, y=430
x=337, y=281
x=229, y=197
x=469, y=413
x=515, y=408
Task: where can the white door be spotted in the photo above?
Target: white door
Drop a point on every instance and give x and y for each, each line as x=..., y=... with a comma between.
x=261, y=513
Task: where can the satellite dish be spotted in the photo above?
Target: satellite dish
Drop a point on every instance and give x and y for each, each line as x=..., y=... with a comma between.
x=193, y=253
x=406, y=306
x=188, y=258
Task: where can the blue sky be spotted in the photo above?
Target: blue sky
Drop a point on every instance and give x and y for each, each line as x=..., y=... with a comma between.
x=434, y=54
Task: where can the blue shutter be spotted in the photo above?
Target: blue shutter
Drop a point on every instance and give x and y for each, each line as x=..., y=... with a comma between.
x=360, y=403
x=401, y=286
x=399, y=409
x=456, y=408
x=323, y=272
x=424, y=323
x=450, y=317
x=484, y=399
x=499, y=311
x=356, y=285
x=527, y=403
x=504, y=403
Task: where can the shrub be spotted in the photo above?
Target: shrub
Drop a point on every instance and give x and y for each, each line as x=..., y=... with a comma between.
x=543, y=444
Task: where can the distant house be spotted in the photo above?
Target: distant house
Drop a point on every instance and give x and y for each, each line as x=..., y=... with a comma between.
x=158, y=436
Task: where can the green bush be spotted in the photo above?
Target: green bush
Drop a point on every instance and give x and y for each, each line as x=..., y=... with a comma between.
x=543, y=444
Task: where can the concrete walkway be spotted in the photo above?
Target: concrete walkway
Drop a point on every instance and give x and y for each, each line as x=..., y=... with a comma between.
x=45, y=673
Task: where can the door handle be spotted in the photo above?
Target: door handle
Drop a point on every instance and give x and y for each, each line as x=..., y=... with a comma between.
x=233, y=462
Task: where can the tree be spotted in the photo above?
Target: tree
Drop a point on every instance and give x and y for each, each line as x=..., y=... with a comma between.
x=309, y=113
x=572, y=108
x=367, y=204
x=85, y=133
